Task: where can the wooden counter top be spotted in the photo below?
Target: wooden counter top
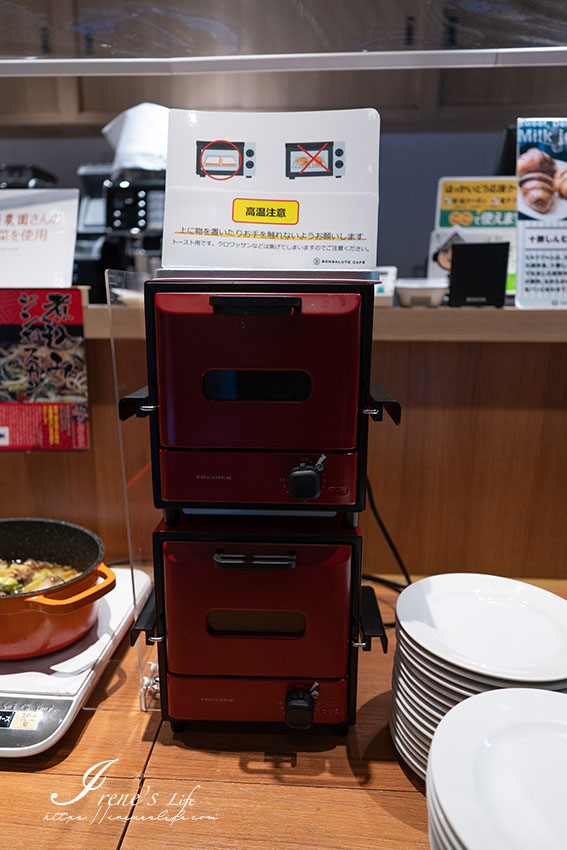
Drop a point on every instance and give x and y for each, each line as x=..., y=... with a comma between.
x=411, y=324
x=253, y=787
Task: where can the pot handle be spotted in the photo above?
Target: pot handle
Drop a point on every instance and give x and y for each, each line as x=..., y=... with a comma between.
x=63, y=606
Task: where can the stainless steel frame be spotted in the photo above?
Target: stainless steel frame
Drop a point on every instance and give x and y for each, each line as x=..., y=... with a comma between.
x=365, y=61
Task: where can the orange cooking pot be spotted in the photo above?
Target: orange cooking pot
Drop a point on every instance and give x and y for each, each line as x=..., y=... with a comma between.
x=43, y=621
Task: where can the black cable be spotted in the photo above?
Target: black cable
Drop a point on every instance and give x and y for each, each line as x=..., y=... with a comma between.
x=393, y=585
x=384, y=531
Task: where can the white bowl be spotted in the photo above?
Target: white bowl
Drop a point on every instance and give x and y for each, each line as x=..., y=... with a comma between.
x=421, y=292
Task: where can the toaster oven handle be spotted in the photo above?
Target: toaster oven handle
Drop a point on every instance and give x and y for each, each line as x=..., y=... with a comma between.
x=254, y=562
x=371, y=625
x=255, y=305
x=379, y=399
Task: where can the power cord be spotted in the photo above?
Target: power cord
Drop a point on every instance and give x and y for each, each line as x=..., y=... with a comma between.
x=393, y=585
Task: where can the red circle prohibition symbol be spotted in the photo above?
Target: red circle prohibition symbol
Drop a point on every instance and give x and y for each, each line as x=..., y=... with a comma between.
x=222, y=142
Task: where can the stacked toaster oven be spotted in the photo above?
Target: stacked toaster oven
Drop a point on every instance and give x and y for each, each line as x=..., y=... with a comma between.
x=259, y=398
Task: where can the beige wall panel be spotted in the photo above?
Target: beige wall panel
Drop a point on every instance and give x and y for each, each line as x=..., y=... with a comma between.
x=506, y=86
x=19, y=97
x=321, y=90
x=474, y=477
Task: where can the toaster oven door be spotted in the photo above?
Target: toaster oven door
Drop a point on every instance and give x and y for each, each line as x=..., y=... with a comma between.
x=256, y=609
x=258, y=371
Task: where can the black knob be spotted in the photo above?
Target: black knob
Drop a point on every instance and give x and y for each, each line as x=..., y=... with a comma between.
x=299, y=707
x=304, y=482
x=339, y=151
x=250, y=163
x=250, y=152
x=339, y=163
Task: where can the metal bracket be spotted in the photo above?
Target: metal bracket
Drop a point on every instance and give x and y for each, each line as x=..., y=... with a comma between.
x=149, y=687
x=371, y=625
x=146, y=622
x=135, y=404
x=379, y=399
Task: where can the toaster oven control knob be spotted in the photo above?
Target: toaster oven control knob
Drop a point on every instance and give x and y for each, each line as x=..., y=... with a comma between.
x=299, y=707
x=304, y=481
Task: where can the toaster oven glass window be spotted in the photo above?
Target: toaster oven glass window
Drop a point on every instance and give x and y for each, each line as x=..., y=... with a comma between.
x=256, y=385
x=272, y=623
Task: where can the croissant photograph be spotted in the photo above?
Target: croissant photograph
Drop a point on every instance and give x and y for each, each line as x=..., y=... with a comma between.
x=542, y=179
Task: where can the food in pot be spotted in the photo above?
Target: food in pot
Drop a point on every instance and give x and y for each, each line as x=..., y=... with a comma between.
x=29, y=576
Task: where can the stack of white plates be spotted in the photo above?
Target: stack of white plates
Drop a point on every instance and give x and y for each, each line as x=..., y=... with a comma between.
x=461, y=634
x=496, y=776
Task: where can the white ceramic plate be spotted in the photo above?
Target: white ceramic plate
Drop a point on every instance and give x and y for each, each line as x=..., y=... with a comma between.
x=498, y=765
x=403, y=742
x=442, y=838
x=415, y=710
x=469, y=683
x=478, y=681
x=417, y=764
x=409, y=735
x=413, y=727
x=435, y=700
x=422, y=706
x=443, y=826
x=442, y=680
x=438, y=697
x=487, y=624
x=435, y=840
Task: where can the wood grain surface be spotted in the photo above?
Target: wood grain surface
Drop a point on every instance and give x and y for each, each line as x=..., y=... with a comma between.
x=288, y=818
x=218, y=788
x=95, y=736
x=473, y=478
x=28, y=820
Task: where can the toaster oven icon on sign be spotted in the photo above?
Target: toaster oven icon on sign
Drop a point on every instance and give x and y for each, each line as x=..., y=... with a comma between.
x=221, y=159
x=314, y=159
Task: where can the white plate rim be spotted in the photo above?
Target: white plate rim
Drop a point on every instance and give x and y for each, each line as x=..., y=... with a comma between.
x=413, y=709
x=410, y=613
x=406, y=754
x=433, y=803
x=461, y=674
x=455, y=687
x=408, y=733
x=457, y=741
x=423, y=689
x=436, y=689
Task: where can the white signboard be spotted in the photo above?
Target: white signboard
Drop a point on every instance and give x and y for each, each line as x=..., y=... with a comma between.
x=272, y=190
x=37, y=237
x=542, y=213
x=473, y=209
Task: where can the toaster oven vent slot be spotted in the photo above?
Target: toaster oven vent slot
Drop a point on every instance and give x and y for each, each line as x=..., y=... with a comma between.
x=256, y=623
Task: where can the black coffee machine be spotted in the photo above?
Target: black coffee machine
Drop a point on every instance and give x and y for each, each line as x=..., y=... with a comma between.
x=25, y=177
x=120, y=224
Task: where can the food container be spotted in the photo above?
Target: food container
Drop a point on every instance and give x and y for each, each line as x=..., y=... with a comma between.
x=421, y=292
x=43, y=621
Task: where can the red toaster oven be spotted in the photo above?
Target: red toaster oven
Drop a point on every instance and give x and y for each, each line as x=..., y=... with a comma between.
x=260, y=620
x=259, y=393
